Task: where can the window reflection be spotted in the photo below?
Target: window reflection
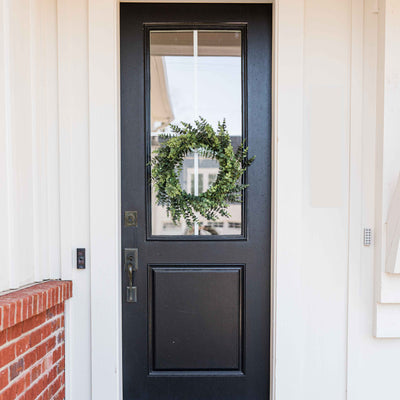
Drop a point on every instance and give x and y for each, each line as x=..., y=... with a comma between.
x=192, y=74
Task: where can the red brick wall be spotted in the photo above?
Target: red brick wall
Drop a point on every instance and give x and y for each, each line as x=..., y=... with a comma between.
x=32, y=351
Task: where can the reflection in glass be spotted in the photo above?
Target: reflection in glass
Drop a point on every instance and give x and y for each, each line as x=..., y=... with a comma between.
x=196, y=73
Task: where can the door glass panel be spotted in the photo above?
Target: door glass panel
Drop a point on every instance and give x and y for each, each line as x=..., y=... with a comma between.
x=196, y=73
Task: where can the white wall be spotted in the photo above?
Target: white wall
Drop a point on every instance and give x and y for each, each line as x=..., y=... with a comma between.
x=336, y=165
x=29, y=147
x=44, y=160
x=327, y=283
x=312, y=189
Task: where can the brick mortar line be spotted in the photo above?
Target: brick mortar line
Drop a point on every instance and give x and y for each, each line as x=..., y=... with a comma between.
x=22, y=376
x=62, y=385
x=25, y=334
x=23, y=354
x=32, y=348
x=58, y=391
x=29, y=370
x=32, y=384
x=38, y=362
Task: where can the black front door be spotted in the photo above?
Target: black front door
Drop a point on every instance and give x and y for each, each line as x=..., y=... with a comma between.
x=196, y=298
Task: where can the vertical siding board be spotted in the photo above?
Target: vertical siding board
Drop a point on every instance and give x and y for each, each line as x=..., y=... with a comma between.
x=5, y=214
x=64, y=140
x=21, y=133
x=38, y=158
x=289, y=172
x=357, y=117
x=327, y=61
x=49, y=13
x=45, y=137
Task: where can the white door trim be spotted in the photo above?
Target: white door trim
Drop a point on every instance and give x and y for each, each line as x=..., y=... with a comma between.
x=104, y=139
x=104, y=132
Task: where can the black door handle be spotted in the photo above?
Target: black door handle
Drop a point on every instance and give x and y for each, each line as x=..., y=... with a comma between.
x=131, y=266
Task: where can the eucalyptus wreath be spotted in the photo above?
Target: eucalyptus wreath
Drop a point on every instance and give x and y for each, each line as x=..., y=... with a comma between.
x=167, y=164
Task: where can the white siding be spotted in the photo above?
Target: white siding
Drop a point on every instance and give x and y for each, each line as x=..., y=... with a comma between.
x=29, y=173
x=326, y=280
x=5, y=195
x=44, y=160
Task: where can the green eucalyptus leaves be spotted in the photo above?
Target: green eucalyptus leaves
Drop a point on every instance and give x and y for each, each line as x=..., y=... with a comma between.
x=167, y=164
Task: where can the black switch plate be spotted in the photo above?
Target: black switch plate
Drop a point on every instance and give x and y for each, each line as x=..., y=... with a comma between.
x=81, y=258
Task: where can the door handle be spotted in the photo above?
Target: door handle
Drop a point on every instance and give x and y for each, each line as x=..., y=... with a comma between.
x=131, y=266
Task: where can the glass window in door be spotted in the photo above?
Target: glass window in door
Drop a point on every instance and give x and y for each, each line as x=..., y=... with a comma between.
x=196, y=73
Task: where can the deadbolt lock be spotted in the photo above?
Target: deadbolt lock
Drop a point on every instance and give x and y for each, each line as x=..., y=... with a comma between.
x=130, y=218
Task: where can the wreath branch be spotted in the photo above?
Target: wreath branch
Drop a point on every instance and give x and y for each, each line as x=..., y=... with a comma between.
x=167, y=164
